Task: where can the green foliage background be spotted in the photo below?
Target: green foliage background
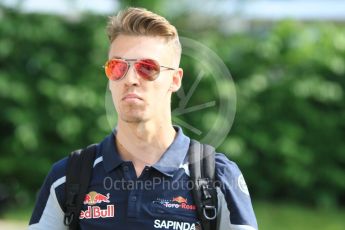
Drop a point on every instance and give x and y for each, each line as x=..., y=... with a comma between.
x=289, y=129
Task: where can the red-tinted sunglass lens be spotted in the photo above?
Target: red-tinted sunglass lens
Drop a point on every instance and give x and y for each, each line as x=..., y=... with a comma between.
x=115, y=69
x=147, y=69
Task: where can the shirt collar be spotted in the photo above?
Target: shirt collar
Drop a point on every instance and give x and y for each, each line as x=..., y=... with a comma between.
x=111, y=157
x=170, y=161
x=174, y=156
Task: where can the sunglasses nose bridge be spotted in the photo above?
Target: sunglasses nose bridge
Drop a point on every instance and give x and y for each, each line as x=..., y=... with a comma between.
x=131, y=75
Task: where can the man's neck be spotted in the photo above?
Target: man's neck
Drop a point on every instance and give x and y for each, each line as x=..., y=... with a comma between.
x=143, y=143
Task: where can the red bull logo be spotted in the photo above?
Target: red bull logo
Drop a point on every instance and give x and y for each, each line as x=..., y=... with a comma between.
x=96, y=212
x=93, y=198
x=179, y=199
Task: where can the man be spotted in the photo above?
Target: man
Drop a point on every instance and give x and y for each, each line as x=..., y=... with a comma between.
x=143, y=72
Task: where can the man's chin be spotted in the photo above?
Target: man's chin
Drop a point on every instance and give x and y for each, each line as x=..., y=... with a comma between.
x=133, y=118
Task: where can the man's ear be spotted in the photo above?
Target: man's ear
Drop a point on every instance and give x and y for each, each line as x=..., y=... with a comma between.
x=177, y=80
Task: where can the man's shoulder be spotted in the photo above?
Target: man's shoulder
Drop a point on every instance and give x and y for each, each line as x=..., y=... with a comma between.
x=226, y=168
x=223, y=161
x=58, y=169
x=55, y=180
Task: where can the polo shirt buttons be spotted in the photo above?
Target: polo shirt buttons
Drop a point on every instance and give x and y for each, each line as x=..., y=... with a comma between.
x=133, y=207
x=125, y=168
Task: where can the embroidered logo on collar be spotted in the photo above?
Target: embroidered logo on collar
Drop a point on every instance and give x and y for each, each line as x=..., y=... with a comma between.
x=93, y=198
x=178, y=202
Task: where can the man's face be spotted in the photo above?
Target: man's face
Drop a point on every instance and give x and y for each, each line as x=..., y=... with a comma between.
x=135, y=99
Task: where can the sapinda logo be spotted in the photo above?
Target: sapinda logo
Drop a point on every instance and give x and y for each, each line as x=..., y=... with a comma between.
x=175, y=225
x=93, y=198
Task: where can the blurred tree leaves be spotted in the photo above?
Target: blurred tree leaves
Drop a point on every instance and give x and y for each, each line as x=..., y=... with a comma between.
x=51, y=83
x=289, y=129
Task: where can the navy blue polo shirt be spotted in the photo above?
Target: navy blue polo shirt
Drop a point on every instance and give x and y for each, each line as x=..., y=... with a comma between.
x=160, y=198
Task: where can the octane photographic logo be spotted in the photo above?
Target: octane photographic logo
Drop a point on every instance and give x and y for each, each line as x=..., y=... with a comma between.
x=208, y=117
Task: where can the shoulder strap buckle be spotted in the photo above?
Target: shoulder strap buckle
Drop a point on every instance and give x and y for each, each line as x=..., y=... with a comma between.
x=206, y=194
x=68, y=218
x=202, y=173
x=210, y=209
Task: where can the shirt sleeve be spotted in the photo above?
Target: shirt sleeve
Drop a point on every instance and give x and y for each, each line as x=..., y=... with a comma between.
x=236, y=195
x=48, y=213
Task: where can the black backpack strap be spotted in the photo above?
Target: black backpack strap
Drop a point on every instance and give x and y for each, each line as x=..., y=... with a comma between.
x=78, y=174
x=202, y=173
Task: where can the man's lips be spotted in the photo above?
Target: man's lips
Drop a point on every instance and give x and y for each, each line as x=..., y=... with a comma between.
x=131, y=96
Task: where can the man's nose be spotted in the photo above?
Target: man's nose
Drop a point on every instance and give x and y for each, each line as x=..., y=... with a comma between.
x=131, y=77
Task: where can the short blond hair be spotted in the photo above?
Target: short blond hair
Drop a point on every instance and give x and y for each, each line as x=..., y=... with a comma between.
x=140, y=21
